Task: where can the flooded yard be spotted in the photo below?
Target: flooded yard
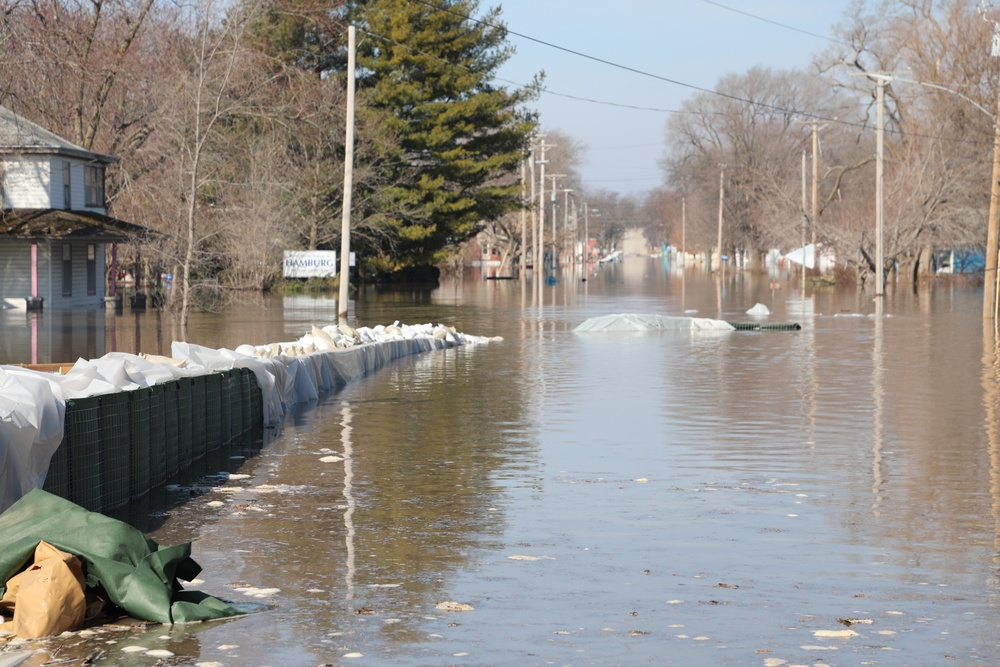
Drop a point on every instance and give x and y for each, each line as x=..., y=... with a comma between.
x=823, y=496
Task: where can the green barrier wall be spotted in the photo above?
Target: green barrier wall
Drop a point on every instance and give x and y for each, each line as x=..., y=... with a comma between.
x=117, y=447
x=114, y=445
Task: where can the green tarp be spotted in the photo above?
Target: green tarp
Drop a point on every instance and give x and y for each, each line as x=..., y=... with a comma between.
x=126, y=567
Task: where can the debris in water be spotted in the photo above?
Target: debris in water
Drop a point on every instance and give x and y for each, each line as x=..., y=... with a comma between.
x=453, y=606
x=257, y=592
x=331, y=459
x=642, y=480
x=854, y=621
x=839, y=634
x=160, y=653
x=523, y=557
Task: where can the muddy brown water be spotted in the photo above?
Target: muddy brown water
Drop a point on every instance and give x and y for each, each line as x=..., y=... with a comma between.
x=824, y=496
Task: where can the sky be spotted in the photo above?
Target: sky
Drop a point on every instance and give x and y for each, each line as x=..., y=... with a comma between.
x=693, y=42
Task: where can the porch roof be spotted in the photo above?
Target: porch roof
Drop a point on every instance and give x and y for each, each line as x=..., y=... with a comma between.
x=62, y=224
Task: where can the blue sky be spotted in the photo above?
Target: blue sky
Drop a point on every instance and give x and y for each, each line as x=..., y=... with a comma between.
x=691, y=41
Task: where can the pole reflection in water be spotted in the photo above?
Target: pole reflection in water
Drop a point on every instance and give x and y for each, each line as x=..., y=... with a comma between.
x=345, y=439
x=991, y=395
x=878, y=373
x=33, y=320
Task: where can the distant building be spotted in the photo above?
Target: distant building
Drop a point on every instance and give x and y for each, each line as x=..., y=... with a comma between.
x=54, y=227
x=635, y=243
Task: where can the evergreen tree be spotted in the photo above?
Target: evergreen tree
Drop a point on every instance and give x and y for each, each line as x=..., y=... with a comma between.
x=426, y=72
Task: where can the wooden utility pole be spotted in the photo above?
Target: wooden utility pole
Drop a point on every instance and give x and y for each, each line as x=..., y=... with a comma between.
x=722, y=192
x=990, y=278
x=345, y=222
x=815, y=191
x=540, y=241
x=880, y=184
x=524, y=225
x=805, y=222
x=683, y=232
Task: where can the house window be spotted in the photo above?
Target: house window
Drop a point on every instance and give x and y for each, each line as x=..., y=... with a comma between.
x=91, y=269
x=67, y=191
x=67, y=269
x=93, y=185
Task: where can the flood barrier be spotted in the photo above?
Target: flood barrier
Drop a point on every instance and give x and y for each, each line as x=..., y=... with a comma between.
x=106, y=432
x=118, y=447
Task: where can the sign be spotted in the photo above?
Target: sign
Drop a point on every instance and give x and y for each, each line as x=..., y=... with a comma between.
x=310, y=263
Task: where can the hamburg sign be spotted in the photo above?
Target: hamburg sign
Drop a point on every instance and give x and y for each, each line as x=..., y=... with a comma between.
x=310, y=263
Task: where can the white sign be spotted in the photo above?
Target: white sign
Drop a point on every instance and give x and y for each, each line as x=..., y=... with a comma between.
x=310, y=263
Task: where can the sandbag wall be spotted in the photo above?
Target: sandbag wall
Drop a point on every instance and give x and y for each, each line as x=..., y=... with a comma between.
x=117, y=447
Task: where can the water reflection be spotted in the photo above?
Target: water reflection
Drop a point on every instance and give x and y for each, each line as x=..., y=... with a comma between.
x=878, y=371
x=349, y=530
x=833, y=471
x=991, y=423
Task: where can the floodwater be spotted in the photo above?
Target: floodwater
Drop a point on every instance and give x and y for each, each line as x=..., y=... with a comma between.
x=824, y=496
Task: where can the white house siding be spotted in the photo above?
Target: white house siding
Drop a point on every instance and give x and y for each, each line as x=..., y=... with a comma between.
x=76, y=184
x=26, y=182
x=79, y=297
x=15, y=274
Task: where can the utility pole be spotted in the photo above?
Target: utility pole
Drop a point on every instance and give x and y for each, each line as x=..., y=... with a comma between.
x=553, y=197
x=576, y=233
x=534, y=215
x=565, y=236
x=881, y=79
x=722, y=192
x=345, y=221
x=815, y=191
x=880, y=184
x=805, y=221
x=683, y=232
x=524, y=224
x=540, y=241
x=991, y=278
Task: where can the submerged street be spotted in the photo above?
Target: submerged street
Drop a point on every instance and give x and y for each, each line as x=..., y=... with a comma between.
x=823, y=496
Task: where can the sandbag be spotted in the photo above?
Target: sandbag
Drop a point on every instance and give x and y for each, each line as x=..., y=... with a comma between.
x=129, y=569
x=48, y=597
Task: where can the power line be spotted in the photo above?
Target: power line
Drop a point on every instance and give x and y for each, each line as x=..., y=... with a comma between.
x=798, y=112
x=780, y=25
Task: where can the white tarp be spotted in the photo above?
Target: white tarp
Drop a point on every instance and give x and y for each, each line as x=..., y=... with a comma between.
x=637, y=322
x=806, y=254
x=33, y=403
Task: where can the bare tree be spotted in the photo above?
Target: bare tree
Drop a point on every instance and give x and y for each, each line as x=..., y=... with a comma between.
x=218, y=87
x=752, y=130
x=939, y=124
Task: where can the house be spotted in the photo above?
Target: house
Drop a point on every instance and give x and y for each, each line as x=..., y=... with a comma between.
x=54, y=227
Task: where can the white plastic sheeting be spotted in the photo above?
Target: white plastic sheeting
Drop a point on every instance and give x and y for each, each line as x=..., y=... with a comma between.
x=33, y=403
x=635, y=322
